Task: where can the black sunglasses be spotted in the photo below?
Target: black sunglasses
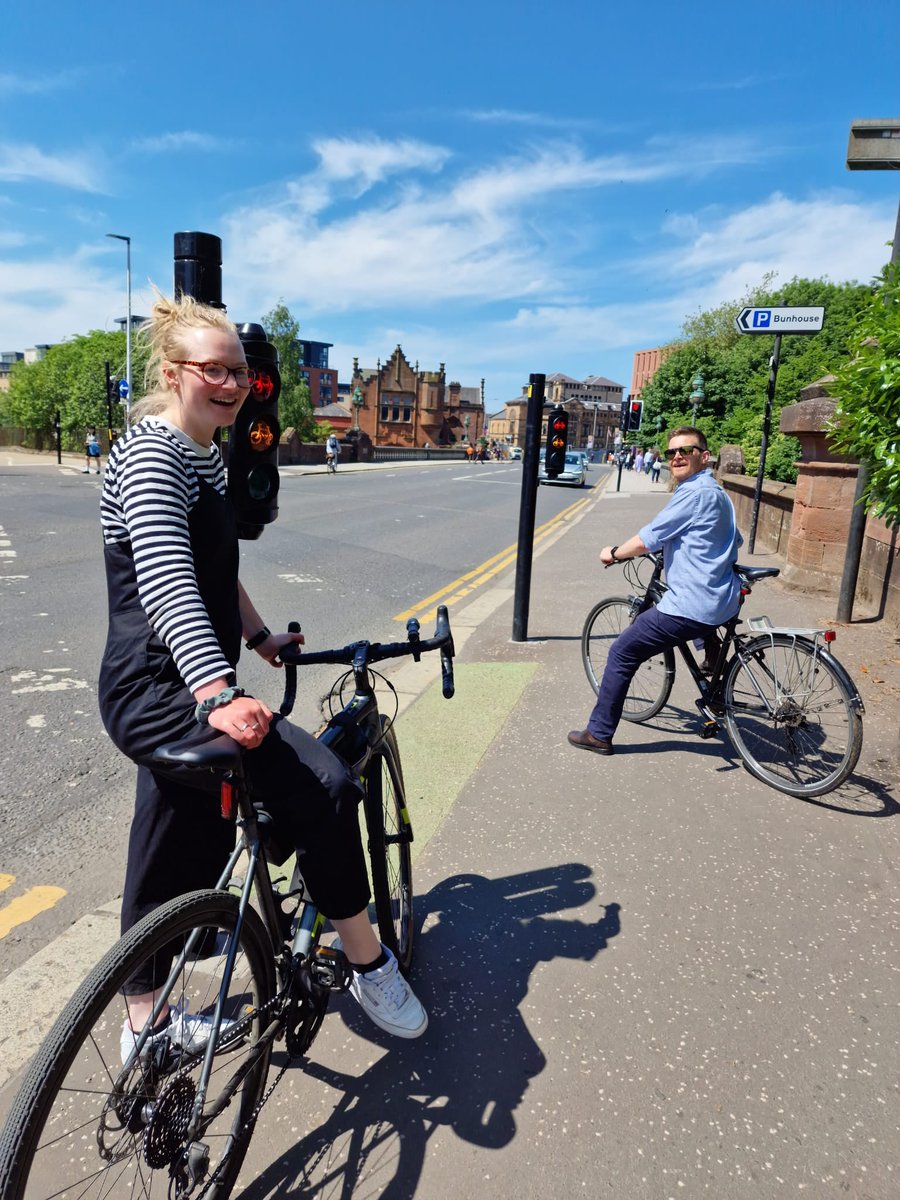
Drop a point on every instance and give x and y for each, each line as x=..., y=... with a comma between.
x=685, y=451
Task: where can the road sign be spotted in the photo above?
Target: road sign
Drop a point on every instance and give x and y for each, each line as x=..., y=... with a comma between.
x=123, y=388
x=780, y=320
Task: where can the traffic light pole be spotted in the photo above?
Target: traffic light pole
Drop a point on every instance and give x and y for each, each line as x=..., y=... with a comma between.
x=528, y=506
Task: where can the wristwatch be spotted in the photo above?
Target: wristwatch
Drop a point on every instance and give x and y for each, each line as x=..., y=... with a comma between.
x=205, y=707
x=612, y=551
x=258, y=638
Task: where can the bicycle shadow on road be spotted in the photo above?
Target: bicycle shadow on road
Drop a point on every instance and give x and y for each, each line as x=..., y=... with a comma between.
x=472, y=1068
x=859, y=796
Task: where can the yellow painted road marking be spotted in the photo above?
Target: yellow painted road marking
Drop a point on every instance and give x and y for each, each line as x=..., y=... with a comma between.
x=491, y=567
x=36, y=900
x=6, y=881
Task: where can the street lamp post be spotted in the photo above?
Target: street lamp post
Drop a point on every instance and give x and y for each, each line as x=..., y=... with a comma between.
x=697, y=395
x=358, y=400
x=121, y=237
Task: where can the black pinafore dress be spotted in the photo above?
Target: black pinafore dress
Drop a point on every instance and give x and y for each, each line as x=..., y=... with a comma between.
x=178, y=840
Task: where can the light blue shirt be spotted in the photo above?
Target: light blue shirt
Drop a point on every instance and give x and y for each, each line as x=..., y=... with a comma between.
x=699, y=538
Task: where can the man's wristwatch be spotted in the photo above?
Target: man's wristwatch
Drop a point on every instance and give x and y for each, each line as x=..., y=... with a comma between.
x=258, y=638
x=205, y=707
x=612, y=553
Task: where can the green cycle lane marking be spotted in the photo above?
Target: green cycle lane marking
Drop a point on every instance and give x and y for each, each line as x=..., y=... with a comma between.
x=442, y=741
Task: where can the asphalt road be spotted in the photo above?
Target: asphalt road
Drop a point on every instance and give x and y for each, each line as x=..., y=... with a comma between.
x=348, y=554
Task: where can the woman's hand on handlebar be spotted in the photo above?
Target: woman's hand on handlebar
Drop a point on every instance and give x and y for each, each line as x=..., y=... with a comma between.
x=272, y=646
x=245, y=719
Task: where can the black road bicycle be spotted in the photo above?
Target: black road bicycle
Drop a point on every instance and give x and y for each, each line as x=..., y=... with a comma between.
x=791, y=711
x=168, y=1122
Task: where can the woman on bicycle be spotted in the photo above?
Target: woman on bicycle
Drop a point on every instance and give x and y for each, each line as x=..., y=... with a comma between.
x=177, y=613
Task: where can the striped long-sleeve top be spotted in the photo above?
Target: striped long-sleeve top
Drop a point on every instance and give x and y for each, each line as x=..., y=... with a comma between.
x=151, y=484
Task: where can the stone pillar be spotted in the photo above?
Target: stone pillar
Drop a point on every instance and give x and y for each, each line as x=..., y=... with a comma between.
x=826, y=484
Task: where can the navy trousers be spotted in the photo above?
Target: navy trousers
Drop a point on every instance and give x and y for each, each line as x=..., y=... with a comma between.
x=649, y=633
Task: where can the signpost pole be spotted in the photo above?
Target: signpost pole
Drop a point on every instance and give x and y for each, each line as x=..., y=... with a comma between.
x=764, y=444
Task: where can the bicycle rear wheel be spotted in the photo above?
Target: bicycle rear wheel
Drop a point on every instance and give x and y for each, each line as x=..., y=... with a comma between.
x=390, y=837
x=82, y=1125
x=652, y=684
x=793, y=715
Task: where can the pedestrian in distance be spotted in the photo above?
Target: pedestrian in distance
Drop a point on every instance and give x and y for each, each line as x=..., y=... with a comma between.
x=177, y=615
x=470, y=453
x=655, y=467
x=698, y=535
x=92, y=453
x=639, y=462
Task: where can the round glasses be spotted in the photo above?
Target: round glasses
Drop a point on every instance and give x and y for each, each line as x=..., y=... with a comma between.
x=217, y=373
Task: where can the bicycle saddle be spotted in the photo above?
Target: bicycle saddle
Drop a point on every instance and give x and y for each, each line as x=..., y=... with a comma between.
x=752, y=574
x=216, y=754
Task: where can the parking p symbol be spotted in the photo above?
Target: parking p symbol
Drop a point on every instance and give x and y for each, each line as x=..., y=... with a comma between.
x=762, y=318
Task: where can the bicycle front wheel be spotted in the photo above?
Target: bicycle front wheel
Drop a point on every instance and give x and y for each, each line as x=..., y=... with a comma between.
x=652, y=683
x=390, y=839
x=83, y=1125
x=793, y=715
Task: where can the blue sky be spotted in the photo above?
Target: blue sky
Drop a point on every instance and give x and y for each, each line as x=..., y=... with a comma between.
x=502, y=186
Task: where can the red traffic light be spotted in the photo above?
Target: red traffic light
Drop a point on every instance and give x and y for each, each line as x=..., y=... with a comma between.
x=560, y=425
x=263, y=385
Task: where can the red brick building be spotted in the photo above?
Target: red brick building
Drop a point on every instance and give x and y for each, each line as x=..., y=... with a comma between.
x=403, y=406
x=646, y=364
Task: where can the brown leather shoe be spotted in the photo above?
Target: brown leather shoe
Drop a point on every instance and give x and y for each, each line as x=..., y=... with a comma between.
x=585, y=740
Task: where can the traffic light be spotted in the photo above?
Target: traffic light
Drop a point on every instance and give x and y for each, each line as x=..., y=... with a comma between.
x=635, y=410
x=623, y=415
x=557, y=440
x=253, y=439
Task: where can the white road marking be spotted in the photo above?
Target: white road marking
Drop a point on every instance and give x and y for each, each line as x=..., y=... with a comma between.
x=300, y=579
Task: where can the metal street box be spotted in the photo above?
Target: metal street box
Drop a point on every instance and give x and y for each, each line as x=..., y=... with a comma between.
x=874, y=145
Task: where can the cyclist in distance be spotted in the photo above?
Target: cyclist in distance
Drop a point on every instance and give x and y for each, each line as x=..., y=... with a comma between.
x=177, y=614
x=699, y=538
x=333, y=448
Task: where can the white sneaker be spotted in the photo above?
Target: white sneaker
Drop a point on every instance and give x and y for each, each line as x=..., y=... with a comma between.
x=388, y=1000
x=189, y=1031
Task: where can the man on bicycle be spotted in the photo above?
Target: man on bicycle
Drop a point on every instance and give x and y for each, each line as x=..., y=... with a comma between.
x=333, y=450
x=698, y=535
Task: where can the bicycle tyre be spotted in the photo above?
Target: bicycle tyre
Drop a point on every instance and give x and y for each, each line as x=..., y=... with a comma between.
x=651, y=686
x=389, y=840
x=76, y=1079
x=813, y=741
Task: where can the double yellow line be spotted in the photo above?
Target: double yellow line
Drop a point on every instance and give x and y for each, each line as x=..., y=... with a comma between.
x=490, y=568
x=23, y=908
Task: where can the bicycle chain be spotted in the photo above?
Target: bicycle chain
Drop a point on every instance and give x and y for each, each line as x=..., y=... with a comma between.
x=284, y=997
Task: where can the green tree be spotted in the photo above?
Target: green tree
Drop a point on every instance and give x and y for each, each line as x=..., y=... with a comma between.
x=70, y=379
x=735, y=369
x=294, y=407
x=867, y=421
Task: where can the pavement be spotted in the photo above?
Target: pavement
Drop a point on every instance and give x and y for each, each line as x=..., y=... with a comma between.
x=649, y=975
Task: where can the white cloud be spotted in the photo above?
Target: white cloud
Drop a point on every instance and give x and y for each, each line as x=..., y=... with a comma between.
x=436, y=237
x=34, y=85
x=24, y=163
x=186, y=139
x=827, y=235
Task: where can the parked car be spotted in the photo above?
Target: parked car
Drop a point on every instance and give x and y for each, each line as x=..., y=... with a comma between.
x=515, y=452
x=573, y=474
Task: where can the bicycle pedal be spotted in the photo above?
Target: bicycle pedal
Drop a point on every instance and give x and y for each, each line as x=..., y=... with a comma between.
x=709, y=729
x=330, y=968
